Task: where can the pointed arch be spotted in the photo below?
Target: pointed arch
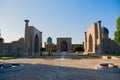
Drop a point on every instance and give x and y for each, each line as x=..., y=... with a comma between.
x=64, y=46
x=90, y=43
x=36, y=44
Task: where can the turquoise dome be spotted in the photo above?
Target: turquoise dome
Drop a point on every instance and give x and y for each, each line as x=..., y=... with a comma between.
x=49, y=40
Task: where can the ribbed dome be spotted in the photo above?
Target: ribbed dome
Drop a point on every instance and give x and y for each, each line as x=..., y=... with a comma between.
x=49, y=40
x=105, y=30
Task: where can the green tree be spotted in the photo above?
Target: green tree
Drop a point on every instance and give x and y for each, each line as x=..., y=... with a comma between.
x=52, y=50
x=42, y=50
x=117, y=32
x=78, y=48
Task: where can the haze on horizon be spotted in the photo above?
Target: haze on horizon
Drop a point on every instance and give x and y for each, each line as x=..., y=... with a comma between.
x=57, y=18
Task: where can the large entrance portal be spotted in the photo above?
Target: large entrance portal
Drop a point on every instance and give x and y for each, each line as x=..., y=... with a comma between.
x=64, y=46
x=36, y=45
x=33, y=40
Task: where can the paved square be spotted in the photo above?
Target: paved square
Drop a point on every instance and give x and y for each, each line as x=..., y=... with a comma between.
x=60, y=67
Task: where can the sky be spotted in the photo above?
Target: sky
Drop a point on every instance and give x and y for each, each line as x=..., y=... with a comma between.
x=57, y=18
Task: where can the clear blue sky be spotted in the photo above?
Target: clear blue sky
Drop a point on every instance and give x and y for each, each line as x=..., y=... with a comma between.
x=57, y=18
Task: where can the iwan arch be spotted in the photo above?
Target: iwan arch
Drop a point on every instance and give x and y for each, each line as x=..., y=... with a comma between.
x=33, y=40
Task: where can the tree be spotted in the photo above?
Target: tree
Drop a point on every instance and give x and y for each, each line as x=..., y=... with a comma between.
x=117, y=32
x=52, y=50
x=42, y=50
x=78, y=49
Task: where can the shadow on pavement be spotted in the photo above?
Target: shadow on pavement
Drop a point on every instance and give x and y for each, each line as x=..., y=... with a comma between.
x=53, y=72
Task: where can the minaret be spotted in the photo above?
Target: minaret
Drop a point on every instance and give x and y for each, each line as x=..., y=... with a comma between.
x=26, y=23
x=26, y=36
x=99, y=36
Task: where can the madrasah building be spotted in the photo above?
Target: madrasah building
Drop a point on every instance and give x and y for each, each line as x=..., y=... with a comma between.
x=30, y=45
x=97, y=41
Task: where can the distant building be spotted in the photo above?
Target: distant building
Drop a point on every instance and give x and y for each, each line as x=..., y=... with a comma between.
x=64, y=44
x=97, y=40
x=49, y=44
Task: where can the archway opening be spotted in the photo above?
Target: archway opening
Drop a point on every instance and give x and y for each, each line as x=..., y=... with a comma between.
x=64, y=46
x=36, y=45
x=90, y=43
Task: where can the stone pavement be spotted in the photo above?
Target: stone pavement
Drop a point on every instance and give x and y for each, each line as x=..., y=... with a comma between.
x=64, y=66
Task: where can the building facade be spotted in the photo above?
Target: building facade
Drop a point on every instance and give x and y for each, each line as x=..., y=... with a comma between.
x=97, y=40
x=15, y=48
x=33, y=40
x=49, y=45
x=30, y=45
x=64, y=44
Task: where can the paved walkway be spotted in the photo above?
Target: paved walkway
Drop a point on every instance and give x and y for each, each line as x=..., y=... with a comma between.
x=62, y=66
